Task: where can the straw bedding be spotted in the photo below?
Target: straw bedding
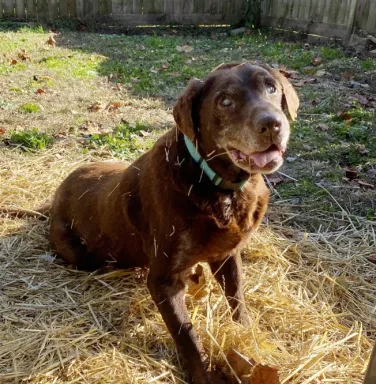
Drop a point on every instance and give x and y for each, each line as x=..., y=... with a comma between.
x=311, y=298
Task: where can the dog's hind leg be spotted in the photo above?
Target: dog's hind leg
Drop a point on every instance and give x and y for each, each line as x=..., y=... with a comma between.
x=70, y=247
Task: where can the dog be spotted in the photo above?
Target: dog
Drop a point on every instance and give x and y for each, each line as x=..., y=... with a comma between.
x=196, y=196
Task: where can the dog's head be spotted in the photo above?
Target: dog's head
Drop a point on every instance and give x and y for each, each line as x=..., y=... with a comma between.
x=238, y=112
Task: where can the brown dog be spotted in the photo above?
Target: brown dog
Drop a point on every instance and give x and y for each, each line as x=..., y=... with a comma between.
x=194, y=197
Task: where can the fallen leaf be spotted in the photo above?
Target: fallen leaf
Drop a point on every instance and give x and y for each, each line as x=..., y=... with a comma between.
x=352, y=173
x=163, y=67
x=113, y=106
x=40, y=91
x=196, y=283
x=2, y=131
x=239, y=363
x=344, y=115
x=362, y=100
x=262, y=374
x=144, y=133
x=372, y=259
x=366, y=185
x=184, y=48
x=23, y=55
x=51, y=41
x=135, y=80
x=316, y=61
x=290, y=74
x=321, y=73
x=308, y=147
x=94, y=107
x=323, y=127
x=14, y=62
x=299, y=83
x=274, y=179
x=347, y=75
x=311, y=80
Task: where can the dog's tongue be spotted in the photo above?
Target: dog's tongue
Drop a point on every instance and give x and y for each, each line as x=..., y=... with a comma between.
x=263, y=158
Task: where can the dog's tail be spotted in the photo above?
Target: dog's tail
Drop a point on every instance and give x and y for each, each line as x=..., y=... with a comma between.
x=41, y=212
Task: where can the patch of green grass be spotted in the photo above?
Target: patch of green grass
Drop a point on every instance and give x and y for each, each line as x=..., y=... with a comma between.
x=126, y=140
x=78, y=65
x=29, y=108
x=32, y=139
x=330, y=53
x=304, y=187
x=368, y=64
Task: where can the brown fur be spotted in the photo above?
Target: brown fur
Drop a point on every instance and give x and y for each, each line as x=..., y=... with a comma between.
x=162, y=212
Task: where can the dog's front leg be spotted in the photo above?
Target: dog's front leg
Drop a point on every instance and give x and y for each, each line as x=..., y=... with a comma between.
x=168, y=295
x=228, y=273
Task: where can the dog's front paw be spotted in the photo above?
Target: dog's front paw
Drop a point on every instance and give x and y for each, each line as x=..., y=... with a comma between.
x=242, y=317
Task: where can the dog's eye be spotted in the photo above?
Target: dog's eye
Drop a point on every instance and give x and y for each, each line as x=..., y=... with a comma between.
x=270, y=89
x=226, y=103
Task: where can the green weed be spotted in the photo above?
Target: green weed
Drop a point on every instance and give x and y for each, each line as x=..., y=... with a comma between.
x=125, y=141
x=32, y=139
x=29, y=108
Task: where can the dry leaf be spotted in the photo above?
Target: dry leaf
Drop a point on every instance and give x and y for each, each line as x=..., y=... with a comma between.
x=262, y=374
x=95, y=107
x=51, y=41
x=144, y=133
x=347, y=75
x=184, y=48
x=344, y=115
x=362, y=100
x=352, y=173
x=196, y=283
x=113, y=106
x=40, y=91
x=365, y=185
x=299, y=83
x=14, y=62
x=163, y=67
x=2, y=131
x=316, y=61
x=23, y=55
x=239, y=363
x=321, y=73
x=274, y=179
x=323, y=127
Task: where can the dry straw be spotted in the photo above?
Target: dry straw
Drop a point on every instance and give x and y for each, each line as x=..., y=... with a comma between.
x=311, y=298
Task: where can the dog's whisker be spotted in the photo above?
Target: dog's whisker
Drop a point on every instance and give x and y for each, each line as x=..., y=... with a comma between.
x=173, y=231
x=190, y=189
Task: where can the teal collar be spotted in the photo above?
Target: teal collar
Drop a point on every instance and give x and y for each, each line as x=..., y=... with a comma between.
x=213, y=177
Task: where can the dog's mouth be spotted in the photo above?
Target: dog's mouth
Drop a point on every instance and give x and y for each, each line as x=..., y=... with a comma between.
x=265, y=159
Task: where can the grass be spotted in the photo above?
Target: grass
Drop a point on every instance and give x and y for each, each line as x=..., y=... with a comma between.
x=31, y=139
x=101, y=96
x=127, y=140
x=29, y=108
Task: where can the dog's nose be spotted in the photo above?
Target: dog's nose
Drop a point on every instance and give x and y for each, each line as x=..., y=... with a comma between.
x=269, y=123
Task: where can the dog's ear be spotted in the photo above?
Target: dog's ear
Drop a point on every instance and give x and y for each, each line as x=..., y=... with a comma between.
x=290, y=99
x=184, y=109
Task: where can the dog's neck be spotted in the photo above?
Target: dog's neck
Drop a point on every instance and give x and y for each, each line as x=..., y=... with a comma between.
x=219, y=172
